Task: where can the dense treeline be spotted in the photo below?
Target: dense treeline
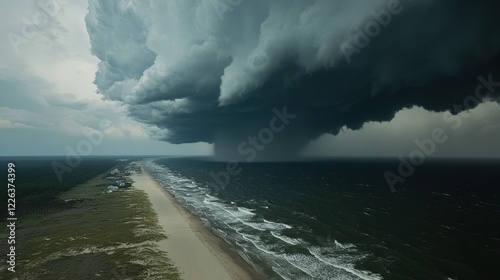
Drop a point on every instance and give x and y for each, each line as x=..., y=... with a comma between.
x=38, y=187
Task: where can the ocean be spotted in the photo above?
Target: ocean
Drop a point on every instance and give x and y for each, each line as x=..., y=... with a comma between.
x=338, y=219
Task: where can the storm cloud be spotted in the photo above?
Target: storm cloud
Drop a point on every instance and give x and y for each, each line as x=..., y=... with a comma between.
x=213, y=71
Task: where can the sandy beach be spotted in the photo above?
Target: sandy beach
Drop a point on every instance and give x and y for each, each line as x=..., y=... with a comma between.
x=197, y=252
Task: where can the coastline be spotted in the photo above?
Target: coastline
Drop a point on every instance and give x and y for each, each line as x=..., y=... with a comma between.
x=95, y=234
x=194, y=249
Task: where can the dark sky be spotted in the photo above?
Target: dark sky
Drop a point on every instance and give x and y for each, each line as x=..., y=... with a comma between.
x=213, y=71
x=363, y=78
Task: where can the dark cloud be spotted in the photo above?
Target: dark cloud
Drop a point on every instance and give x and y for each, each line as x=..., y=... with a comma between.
x=200, y=73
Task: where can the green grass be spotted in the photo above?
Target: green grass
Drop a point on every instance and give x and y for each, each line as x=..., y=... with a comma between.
x=102, y=236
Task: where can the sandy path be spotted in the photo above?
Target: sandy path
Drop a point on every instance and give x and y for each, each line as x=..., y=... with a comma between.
x=197, y=252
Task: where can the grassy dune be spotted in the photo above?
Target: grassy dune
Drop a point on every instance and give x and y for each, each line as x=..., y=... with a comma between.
x=102, y=236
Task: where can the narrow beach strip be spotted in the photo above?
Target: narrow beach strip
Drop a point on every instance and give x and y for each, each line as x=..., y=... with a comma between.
x=197, y=252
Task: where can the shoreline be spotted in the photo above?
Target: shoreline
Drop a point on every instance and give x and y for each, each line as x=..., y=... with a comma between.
x=94, y=229
x=194, y=249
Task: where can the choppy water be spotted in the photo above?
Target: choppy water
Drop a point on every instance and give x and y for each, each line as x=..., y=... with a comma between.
x=339, y=220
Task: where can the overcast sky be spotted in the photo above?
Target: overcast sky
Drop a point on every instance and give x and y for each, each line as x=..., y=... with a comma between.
x=146, y=73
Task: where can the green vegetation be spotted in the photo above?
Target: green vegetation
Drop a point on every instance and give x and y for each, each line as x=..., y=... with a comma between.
x=38, y=188
x=101, y=236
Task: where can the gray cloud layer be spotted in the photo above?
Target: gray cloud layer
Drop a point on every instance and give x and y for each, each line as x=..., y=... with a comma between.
x=213, y=71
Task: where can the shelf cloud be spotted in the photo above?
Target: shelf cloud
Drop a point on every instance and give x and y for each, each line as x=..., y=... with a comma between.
x=214, y=71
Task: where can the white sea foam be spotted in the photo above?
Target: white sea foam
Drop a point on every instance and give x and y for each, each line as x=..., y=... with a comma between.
x=268, y=249
x=299, y=261
x=338, y=263
x=291, y=241
x=273, y=225
x=282, y=272
x=242, y=226
x=246, y=211
x=342, y=246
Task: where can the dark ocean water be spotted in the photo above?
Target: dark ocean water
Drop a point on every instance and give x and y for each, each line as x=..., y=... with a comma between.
x=340, y=220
